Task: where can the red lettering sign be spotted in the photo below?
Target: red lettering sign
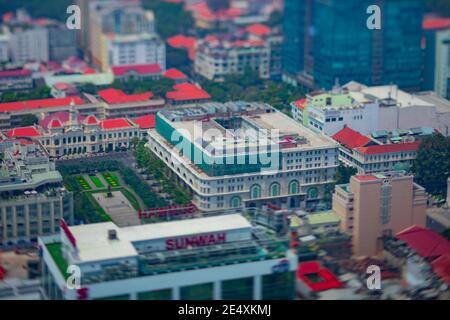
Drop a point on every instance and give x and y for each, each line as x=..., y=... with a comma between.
x=195, y=241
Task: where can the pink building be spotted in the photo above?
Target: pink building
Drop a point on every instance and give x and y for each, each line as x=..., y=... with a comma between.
x=373, y=206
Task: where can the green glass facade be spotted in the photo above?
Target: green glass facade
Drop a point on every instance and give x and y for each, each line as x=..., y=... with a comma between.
x=344, y=48
x=197, y=292
x=238, y=289
x=165, y=294
x=278, y=286
x=218, y=165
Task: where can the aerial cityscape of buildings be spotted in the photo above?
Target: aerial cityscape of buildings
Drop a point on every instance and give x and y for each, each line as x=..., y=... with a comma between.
x=225, y=150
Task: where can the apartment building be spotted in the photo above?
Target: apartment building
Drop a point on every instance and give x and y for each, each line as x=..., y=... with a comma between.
x=245, y=159
x=33, y=199
x=29, y=44
x=225, y=256
x=16, y=80
x=217, y=58
x=371, y=207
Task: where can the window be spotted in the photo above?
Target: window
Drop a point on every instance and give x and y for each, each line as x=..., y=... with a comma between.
x=275, y=189
x=238, y=289
x=235, y=202
x=165, y=294
x=197, y=292
x=255, y=191
x=293, y=187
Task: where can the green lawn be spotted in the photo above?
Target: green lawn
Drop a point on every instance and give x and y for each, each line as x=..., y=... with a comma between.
x=98, y=208
x=55, y=251
x=97, y=182
x=131, y=198
x=83, y=183
x=111, y=179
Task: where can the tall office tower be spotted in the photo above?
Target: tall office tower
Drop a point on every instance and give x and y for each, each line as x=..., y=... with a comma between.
x=374, y=206
x=326, y=40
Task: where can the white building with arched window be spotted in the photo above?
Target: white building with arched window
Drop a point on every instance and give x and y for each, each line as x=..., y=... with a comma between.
x=240, y=154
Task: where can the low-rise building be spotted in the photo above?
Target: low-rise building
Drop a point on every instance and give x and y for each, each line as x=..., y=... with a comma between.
x=370, y=156
x=371, y=207
x=33, y=199
x=219, y=257
x=16, y=80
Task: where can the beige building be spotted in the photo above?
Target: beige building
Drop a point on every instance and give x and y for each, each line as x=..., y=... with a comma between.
x=373, y=206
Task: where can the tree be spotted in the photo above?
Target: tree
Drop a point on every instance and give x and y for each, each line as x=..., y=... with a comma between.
x=28, y=120
x=432, y=164
x=344, y=173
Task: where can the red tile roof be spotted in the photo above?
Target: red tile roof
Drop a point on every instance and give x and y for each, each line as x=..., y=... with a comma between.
x=366, y=178
x=175, y=74
x=23, y=132
x=146, y=122
x=182, y=42
x=186, y=92
x=119, y=123
x=389, y=148
x=36, y=104
x=15, y=73
x=300, y=104
x=351, y=138
x=142, y=69
x=427, y=243
x=258, y=29
x=62, y=116
x=325, y=279
x=441, y=267
x=91, y=120
x=436, y=23
x=115, y=96
x=55, y=123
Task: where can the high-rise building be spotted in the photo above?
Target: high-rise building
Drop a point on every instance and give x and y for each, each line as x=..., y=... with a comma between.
x=373, y=206
x=436, y=72
x=29, y=44
x=327, y=40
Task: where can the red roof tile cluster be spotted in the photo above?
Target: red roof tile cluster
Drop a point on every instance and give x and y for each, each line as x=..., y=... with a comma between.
x=187, y=92
x=436, y=23
x=300, y=104
x=441, y=267
x=324, y=279
x=175, y=74
x=15, y=73
x=366, y=178
x=389, y=148
x=111, y=124
x=351, y=138
x=141, y=69
x=115, y=96
x=91, y=120
x=146, y=122
x=55, y=123
x=183, y=42
x=62, y=116
x=36, y=104
x=427, y=243
x=202, y=11
x=23, y=132
x=259, y=29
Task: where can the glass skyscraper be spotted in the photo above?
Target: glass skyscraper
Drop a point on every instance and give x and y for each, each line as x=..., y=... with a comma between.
x=329, y=40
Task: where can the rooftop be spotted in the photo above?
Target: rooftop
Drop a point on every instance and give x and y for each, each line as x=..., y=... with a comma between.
x=317, y=277
x=115, y=96
x=187, y=92
x=112, y=124
x=37, y=104
x=175, y=74
x=141, y=69
x=427, y=243
x=389, y=148
x=259, y=29
x=146, y=122
x=436, y=23
x=15, y=73
x=321, y=218
x=31, y=131
x=351, y=138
